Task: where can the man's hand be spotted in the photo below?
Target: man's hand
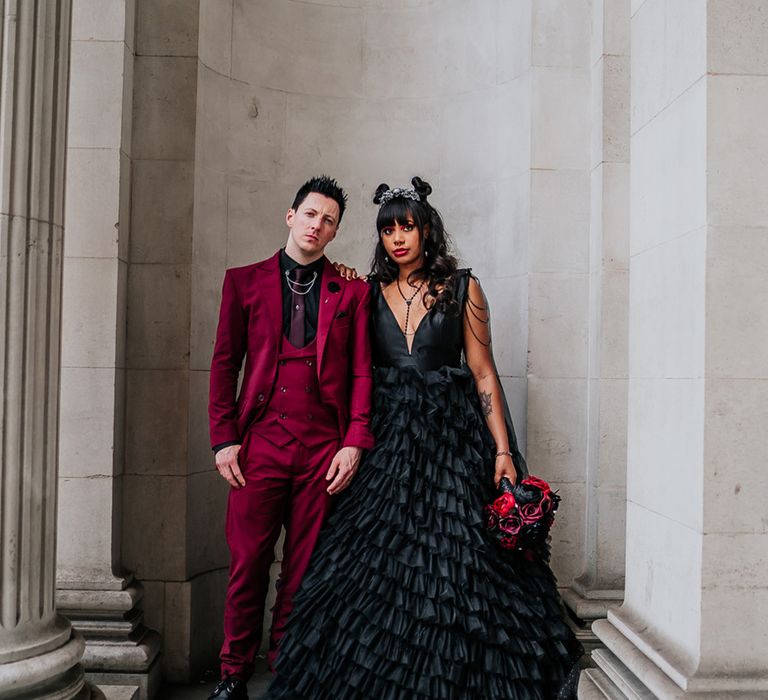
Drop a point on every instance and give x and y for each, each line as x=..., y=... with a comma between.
x=343, y=468
x=226, y=463
x=349, y=273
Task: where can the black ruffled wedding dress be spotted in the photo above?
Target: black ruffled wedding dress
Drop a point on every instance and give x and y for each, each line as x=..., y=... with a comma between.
x=407, y=597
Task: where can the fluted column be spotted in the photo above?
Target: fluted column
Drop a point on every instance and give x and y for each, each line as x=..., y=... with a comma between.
x=39, y=654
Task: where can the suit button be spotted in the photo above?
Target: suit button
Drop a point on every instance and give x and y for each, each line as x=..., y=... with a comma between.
x=282, y=416
x=283, y=389
x=261, y=397
x=310, y=363
x=309, y=416
x=307, y=389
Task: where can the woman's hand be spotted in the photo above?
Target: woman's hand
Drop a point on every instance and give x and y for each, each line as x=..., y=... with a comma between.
x=350, y=273
x=504, y=467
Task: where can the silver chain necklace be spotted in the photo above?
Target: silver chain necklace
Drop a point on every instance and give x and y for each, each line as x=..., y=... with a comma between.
x=294, y=286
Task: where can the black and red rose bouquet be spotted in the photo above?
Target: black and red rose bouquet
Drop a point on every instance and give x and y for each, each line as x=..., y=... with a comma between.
x=522, y=514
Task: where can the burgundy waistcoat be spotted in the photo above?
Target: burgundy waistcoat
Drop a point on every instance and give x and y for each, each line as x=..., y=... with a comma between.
x=295, y=410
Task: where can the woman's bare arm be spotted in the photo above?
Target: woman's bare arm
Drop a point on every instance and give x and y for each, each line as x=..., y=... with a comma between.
x=479, y=356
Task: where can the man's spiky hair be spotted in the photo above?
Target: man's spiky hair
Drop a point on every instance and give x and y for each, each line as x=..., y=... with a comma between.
x=324, y=185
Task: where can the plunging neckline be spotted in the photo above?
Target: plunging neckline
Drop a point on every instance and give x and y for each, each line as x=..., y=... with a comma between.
x=392, y=314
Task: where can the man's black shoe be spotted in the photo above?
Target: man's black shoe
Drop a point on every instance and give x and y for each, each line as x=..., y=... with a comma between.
x=230, y=689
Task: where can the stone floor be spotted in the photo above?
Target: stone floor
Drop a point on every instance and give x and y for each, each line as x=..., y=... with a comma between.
x=200, y=691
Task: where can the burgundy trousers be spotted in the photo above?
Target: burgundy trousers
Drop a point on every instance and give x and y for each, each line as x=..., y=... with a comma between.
x=284, y=486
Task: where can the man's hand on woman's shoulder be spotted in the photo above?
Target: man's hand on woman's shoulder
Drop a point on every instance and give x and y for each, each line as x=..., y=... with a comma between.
x=348, y=273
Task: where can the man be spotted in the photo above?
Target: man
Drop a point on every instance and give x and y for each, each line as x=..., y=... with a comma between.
x=294, y=435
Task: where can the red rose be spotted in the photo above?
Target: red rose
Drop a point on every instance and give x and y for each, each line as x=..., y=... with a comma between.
x=508, y=542
x=491, y=519
x=531, y=512
x=511, y=524
x=538, y=483
x=546, y=502
x=504, y=504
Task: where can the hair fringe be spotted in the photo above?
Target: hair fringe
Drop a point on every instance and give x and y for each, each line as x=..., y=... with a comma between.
x=440, y=264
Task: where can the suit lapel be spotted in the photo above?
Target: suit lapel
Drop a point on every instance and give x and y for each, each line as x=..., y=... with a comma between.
x=329, y=302
x=270, y=286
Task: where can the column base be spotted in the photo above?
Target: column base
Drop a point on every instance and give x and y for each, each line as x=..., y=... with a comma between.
x=631, y=666
x=121, y=653
x=129, y=686
x=54, y=675
x=585, y=607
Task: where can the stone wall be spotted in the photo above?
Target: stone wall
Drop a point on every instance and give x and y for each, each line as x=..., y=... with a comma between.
x=234, y=105
x=558, y=290
x=366, y=92
x=192, y=123
x=157, y=515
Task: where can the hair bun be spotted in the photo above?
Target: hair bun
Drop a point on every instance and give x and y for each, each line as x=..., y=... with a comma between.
x=423, y=188
x=380, y=190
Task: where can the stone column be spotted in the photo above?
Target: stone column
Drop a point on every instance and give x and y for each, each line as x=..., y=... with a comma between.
x=103, y=600
x=601, y=582
x=693, y=621
x=39, y=652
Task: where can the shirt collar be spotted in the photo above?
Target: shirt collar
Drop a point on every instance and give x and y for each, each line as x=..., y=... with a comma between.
x=288, y=263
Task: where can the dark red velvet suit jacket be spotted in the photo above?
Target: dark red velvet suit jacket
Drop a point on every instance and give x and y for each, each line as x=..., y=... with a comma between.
x=251, y=326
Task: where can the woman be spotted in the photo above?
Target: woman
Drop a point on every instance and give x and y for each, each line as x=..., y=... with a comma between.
x=406, y=596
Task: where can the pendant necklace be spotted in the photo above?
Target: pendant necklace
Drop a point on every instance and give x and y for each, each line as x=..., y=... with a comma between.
x=408, y=301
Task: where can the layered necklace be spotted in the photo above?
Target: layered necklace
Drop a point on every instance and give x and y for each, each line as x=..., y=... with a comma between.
x=408, y=301
x=300, y=288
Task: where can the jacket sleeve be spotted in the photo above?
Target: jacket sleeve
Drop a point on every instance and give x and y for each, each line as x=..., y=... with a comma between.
x=228, y=354
x=358, y=431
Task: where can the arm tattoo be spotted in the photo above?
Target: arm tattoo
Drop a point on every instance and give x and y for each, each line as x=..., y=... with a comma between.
x=485, y=403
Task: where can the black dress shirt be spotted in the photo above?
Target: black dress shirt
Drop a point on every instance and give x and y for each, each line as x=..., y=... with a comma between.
x=311, y=300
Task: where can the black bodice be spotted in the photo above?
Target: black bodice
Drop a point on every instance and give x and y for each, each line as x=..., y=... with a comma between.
x=439, y=338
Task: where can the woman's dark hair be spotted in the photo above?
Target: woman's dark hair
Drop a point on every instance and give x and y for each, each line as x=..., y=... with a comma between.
x=439, y=264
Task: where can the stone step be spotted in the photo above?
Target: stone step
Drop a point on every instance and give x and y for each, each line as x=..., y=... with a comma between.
x=595, y=685
x=625, y=682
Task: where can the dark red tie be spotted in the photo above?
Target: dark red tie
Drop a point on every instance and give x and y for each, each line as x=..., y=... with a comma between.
x=300, y=276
